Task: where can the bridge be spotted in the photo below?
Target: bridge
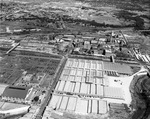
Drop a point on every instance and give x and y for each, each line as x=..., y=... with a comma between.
x=12, y=48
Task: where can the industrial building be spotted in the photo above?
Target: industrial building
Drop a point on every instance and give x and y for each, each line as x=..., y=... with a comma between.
x=117, y=67
x=85, y=87
x=10, y=109
x=91, y=90
x=80, y=70
x=86, y=77
x=77, y=105
x=16, y=94
x=79, y=88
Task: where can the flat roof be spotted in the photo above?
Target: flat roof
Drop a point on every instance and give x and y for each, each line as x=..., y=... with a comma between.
x=78, y=105
x=95, y=90
x=120, y=68
x=87, y=77
x=9, y=106
x=15, y=92
x=79, y=70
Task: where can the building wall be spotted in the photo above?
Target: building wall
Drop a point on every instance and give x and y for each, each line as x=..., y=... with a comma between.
x=15, y=111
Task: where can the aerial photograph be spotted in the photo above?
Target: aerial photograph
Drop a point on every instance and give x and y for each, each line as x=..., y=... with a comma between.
x=74, y=59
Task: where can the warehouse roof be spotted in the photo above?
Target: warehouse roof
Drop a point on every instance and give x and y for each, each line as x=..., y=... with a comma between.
x=15, y=92
x=120, y=68
x=78, y=105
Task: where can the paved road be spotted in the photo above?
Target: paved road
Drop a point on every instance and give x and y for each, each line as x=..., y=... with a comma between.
x=53, y=84
x=51, y=88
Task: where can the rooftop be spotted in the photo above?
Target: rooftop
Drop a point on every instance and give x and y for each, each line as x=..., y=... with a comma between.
x=120, y=68
x=15, y=92
x=8, y=106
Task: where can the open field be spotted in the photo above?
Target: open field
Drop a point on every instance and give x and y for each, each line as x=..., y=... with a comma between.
x=12, y=67
x=57, y=14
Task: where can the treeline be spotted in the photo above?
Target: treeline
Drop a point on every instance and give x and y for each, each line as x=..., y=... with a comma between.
x=91, y=23
x=127, y=16
x=141, y=1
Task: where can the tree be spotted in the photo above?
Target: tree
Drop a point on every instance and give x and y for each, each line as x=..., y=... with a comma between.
x=139, y=23
x=36, y=98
